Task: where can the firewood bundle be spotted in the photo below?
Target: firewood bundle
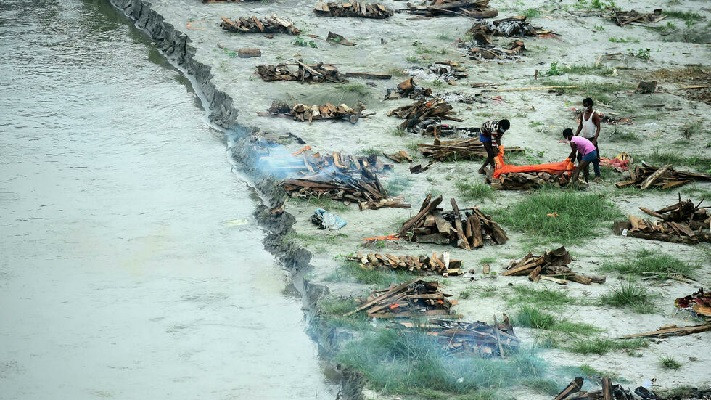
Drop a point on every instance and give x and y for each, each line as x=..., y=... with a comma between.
x=698, y=302
x=466, y=228
x=527, y=180
x=408, y=89
x=645, y=176
x=551, y=266
x=442, y=265
x=300, y=72
x=472, y=337
x=346, y=179
x=352, y=9
x=469, y=8
x=422, y=111
x=682, y=222
x=458, y=149
x=622, y=18
x=417, y=298
x=302, y=112
x=253, y=24
x=514, y=51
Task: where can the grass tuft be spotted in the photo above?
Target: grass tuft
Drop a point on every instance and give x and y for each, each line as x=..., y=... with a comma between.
x=545, y=298
x=669, y=363
x=532, y=317
x=580, y=216
x=631, y=296
x=379, y=277
x=475, y=191
x=604, y=346
x=591, y=69
x=651, y=264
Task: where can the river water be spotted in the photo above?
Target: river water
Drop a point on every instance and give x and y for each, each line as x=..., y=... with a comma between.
x=130, y=265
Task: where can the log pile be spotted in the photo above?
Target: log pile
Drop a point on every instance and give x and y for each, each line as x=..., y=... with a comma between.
x=646, y=176
x=698, y=302
x=623, y=18
x=300, y=72
x=682, y=222
x=508, y=27
x=408, y=89
x=458, y=149
x=608, y=391
x=253, y=24
x=472, y=337
x=423, y=111
x=391, y=202
x=466, y=228
x=352, y=9
x=551, y=266
x=417, y=298
x=482, y=53
x=527, y=180
x=399, y=157
x=448, y=71
x=438, y=264
x=469, y=8
x=310, y=113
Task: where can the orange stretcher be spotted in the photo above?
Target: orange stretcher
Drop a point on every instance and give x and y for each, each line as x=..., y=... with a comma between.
x=552, y=168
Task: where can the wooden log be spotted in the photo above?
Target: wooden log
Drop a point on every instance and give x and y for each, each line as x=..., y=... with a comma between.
x=383, y=296
x=606, y=388
x=573, y=387
x=671, y=331
x=462, y=239
x=420, y=216
x=477, y=240
x=651, y=179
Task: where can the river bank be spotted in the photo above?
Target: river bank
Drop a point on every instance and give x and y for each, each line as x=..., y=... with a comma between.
x=401, y=45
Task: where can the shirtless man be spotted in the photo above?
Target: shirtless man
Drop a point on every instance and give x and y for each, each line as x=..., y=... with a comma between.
x=589, y=128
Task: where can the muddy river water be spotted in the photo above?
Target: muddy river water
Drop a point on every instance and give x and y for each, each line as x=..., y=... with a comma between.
x=130, y=264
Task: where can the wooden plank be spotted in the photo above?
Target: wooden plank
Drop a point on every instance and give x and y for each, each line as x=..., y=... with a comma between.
x=367, y=75
x=477, y=239
x=651, y=179
x=382, y=296
x=671, y=331
x=573, y=387
x=462, y=240
x=421, y=215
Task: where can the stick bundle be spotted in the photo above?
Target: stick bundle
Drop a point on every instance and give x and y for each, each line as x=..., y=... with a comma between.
x=302, y=112
x=416, y=298
x=470, y=8
x=422, y=111
x=352, y=9
x=646, y=176
x=300, y=72
x=527, y=180
x=253, y=24
x=442, y=265
x=553, y=265
x=459, y=149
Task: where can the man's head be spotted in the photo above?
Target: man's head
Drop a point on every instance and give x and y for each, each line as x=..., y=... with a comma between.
x=568, y=133
x=587, y=103
x=504, y=125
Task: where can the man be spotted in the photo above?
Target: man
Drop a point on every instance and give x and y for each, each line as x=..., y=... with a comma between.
x=587, y=154
x=589, y=127
x=492, y=131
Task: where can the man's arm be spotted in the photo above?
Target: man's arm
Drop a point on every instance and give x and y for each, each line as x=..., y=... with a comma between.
x=580, y=124
x=596, y=121
x=574, y=149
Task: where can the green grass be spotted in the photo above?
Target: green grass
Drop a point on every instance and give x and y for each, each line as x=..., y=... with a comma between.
x=651, y=264
x=701, y=164
x=475, y=191
x=357, y=88
x=352, y=271
x=402, y=362
x=591, y=69
x=598, y=91
x=630, y=296
x=531, y=13
x=692, y=128
x=595, y=374
x=623, y=40
x=532, y=317
x=623, y=136
x=669, y=363
x=543, y=298
x=604, y=346
x=580, y=216
x=326, y=203
x=466, y=293
x=689, y=18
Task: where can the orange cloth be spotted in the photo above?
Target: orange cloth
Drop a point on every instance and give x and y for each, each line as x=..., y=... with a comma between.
x=551, y=168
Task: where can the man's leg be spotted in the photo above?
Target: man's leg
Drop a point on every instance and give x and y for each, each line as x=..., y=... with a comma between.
x=596, y=162
x=490, y=156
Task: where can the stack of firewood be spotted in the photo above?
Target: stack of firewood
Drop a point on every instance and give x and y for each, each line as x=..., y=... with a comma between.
x=422, y=111
x=352, y=9
x=442, y=265
x=458, y=149
x=512, y=26
x=469, y=8
x=682, y=222
x=253, y=24
x=527, y=180
x=514, y=50
x=302, y=112
x=698, y=302
x=551, y=266
x=622, y=18
x=608, y=391
x=302, y=73
x=408, y=89
x=645, y=176
x=466, y=228
x=348, y=188
x=471, y=337
x=412, y=299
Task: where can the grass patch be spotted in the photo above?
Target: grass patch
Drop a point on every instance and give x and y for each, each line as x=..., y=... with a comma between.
x=702, y=164
x=466, y=293
x=326, y=203
x=691, y=128
x=647, y=263
x=669, y=363
x=402, y=362
x=475, y=191
x=623, y=40
x=623, y=136
x=689, y=18
x=531, y=13
x=584, y=69
x=595, y=374
x=631, y=296
x=544, y=298
x=487, y=291
x=532, y=317
x=580, y=216
x=357, y=88
x=351, y=270
x=599, y=91
x=604, y=346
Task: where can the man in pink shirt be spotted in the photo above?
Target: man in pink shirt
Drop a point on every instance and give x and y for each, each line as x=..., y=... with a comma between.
x=586, y=148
